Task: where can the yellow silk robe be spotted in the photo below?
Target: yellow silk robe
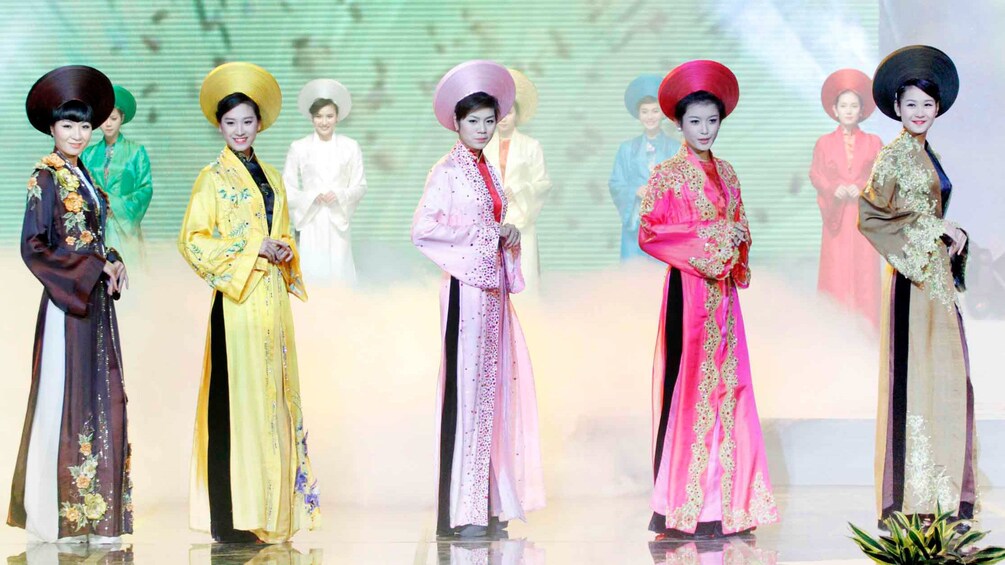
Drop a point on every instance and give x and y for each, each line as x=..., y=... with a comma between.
x=220, y=238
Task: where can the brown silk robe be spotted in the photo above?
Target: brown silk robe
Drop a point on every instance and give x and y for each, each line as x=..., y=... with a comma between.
x=93, y=479
x=925, y=426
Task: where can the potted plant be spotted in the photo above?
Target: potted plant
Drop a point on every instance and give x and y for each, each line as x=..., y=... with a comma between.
x=914, y=541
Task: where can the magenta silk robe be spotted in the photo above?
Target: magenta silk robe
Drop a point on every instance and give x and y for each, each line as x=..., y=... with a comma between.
x=849, y=266
x=495, y=469
x=709, y=458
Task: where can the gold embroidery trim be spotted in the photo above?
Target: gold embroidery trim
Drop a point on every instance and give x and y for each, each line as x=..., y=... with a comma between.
x=727, y=415
x=732, y=185
x=676, y=173
x=924, y=258
x=722, y=248
x=762, y=504
x=686, y=516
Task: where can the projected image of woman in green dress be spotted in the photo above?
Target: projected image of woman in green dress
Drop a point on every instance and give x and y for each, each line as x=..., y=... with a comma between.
x=122, y=168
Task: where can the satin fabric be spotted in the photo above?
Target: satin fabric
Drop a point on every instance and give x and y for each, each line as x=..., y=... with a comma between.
x=483, y=170
x=849, y=266
x=496, y=466
x=129, y=185
x=712, y=464
x=314, y=167
x=220, y=237
x=71, y=477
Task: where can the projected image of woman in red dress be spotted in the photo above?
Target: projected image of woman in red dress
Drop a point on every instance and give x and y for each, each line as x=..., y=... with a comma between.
x=842, y=161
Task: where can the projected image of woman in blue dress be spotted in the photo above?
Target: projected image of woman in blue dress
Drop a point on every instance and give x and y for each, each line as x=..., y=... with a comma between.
x=636, y=159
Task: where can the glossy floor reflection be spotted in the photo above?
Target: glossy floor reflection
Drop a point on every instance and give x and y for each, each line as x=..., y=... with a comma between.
x=814, y=529
x=706, y=552
x=72, y=553
x=252, y=554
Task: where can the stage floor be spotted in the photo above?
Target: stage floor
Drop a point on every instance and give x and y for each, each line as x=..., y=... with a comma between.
x=602, y=531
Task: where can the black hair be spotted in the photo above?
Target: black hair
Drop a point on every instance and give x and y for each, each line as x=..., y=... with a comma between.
x=320, y=103
x=234, y=100
x=843, y=92
x=698, y=97
x=645, y=100
x=73, y=110
x=475, y=102
x=928, y=87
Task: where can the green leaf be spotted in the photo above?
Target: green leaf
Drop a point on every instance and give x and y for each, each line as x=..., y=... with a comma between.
x=889, y=544
x=902, y=522
x=938, y=530
x=861, y=536
x=918, y=543
x=870, y=552
x=897, y=534
x=935, y=544
x=968, y=539
x=942, y=516
x=987, y=555
x=883, y=558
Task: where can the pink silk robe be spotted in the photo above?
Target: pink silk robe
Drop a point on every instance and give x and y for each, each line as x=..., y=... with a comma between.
x=709, y=457
x=849, y=266
x=496, y=463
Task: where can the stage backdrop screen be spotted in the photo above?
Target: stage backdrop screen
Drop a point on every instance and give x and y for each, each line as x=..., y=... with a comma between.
x=390, y=54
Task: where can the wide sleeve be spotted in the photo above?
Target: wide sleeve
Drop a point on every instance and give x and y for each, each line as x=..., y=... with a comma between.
x=290, y=270
x=464, y=248
x=624, y=196
x=671, y=232
x=515, y=282
x=821, y=180
x=826, y=185
x=68, y=275
x=138, y=200
x=300, y=201
x=226, y=261
x=529, y=195
x=907, y=238
x=349, y=197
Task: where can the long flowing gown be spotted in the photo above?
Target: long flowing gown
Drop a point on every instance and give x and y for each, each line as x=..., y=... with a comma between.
x=636, y=159
x=490, y=461
x=123, y=171
x=849, y=266
x=72, y=472
x=314, y=167
x=925, y=438
x=709, y=461
x=250, y=470
x=526, y=181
